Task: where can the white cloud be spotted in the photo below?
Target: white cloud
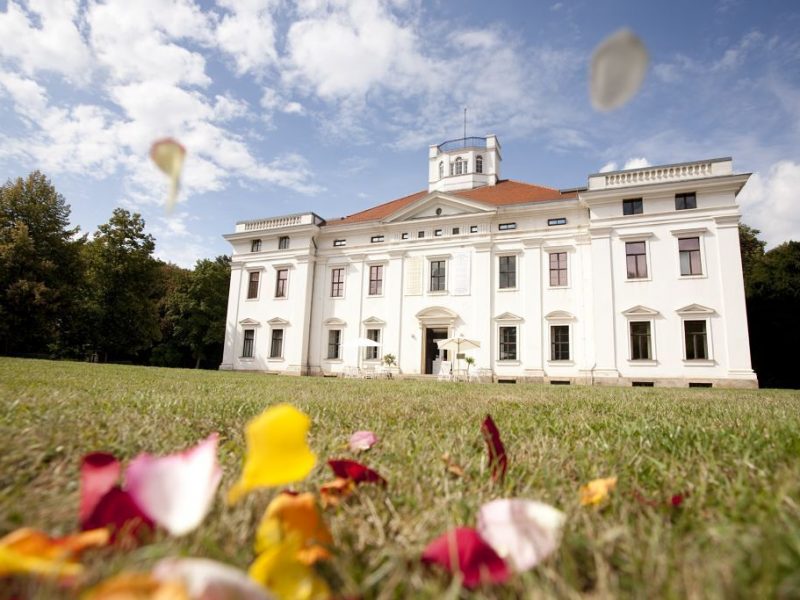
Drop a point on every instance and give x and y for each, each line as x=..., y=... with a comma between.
x=769, y=202
x=247, y=34
x=56, y=45
x=636, y=163
x=609, y=166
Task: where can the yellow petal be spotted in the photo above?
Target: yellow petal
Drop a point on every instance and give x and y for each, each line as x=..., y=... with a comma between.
x=168, y=155
x=295, y=514
x=279, y=570
x=277, y=451
x=30, y=551
x=137, y=586
x=597, y=490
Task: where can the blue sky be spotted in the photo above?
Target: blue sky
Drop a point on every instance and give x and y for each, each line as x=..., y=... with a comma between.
x=330, y=105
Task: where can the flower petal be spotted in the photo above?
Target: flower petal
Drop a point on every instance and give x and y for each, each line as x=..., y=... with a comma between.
x=498, y=460
x=295, y=514
x=168, y=155
x=277, y=451
x=362, y=440
x=279, y=570
x=618, y=68
x=99, y=473
x=358, y=473
x=119, y=512
x=597, y=490
x=137, y=586
x=462, y=550
x=30, y=551
x=522, y=532
x=206, y=579
x=176, y=490
x=334, y=492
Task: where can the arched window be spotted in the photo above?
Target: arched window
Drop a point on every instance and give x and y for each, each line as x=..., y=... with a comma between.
x=459, y=166
x=441, y=169
x=479, y=164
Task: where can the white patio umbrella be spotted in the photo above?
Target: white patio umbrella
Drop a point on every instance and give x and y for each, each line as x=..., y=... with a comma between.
x=361, y=342
x=457, y=344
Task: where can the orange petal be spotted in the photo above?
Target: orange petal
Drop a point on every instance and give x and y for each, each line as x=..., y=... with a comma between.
x=137, y=586
x=597, y=490
x=297, y=515
x=334, y=492
x=28, y=551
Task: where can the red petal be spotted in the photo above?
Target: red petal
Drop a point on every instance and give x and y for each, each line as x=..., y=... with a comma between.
x=99, y=473
x=676, y=500
x=476, y=560
x=118, y=511
x=358, y=473
x=498, y=460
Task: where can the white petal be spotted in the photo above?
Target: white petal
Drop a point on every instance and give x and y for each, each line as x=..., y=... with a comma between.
x=176, y=491
x=522, y=532
x=210, y=580
x=619, y=64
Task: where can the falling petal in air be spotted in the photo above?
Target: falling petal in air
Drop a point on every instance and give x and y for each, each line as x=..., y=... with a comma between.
x=618, y=68
x=168, y=155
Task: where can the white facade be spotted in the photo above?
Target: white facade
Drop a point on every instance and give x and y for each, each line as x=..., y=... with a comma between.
x=556, y=285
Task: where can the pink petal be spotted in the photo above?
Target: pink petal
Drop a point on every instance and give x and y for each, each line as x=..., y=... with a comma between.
x=99, y=473
x=210, y=580
x=522, y=532
x=498, y=460
x=176, y=490
x=350, y=469
x=362, y=440
x=463, y=550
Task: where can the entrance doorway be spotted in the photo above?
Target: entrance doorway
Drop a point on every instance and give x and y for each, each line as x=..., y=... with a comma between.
x=432, y=352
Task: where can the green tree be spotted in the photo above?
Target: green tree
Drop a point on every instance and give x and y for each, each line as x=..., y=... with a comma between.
x=171, y=351
x=200, y=309
x=123, y=278
x=752, y=250
x=40, y=266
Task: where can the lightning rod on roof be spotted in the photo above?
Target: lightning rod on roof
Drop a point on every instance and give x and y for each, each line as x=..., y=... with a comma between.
x=465, y=122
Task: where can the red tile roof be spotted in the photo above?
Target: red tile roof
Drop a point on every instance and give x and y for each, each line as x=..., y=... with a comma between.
x=507, y=191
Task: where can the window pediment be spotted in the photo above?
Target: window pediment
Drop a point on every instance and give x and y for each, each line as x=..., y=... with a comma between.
x=508, y=317
x=559, y=315
x=249, y=323
x=277, y=322
x=696, y=309
x=640, y=311
x=374, y=321
x=334, y=322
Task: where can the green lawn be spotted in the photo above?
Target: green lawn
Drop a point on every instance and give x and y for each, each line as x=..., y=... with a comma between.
x=736, y=454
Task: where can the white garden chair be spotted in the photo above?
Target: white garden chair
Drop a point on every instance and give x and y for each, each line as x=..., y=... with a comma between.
x=445, y=371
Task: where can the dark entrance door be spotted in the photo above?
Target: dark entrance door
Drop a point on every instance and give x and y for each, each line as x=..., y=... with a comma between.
x=432, y=351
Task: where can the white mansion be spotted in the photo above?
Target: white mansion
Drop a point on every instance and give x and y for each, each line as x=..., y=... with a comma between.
x=635, y=279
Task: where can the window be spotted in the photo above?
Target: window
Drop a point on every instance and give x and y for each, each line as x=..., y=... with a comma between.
x=437, y=232
x=460, y=166
x=420, y=234
x=276, y=347
x=632, y=206
x=508, y=272
x=559, y=342
x=376, y=239
x=255, y=246
x=337, y=282
x=507, y=226
x=684, y=201
x=375, y=280
x=404, y=236
x=558, y=221
x=636, y=258
x=441, y=169
x=283, y=242
x=473, y=229
x=252, y=288
x=558, y=269
x=640, y=340
x=479, y=164
x=438, y=275
x=371, y=352
x=281, y=281
x=334, y=344
x=456, y=230
x=508, y=343
x=696, y=342
x=339, y=243
x=247, y=345
x=689, y=251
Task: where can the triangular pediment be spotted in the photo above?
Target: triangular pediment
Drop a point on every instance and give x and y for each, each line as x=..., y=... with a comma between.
x=374, y=321
x=640, y=311
x=508, y=317
x=249, y=323
x=559, y=315
x=695, y=309
x=334, y=322
x=277, y=322
x=438, y=204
